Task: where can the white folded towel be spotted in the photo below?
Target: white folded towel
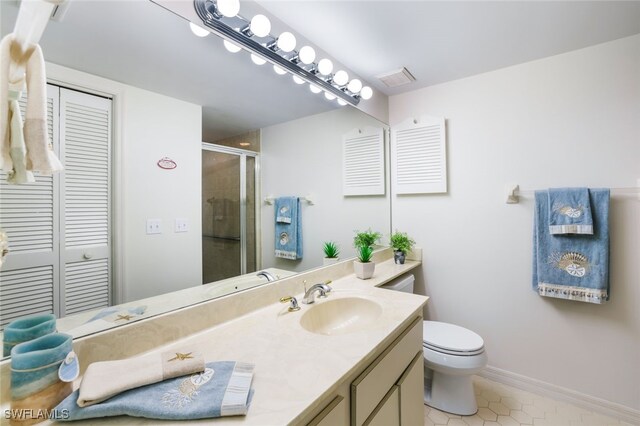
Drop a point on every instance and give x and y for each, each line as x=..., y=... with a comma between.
x=106, y=379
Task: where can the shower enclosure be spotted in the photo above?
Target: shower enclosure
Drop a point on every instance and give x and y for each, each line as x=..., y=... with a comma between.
x=228, y=212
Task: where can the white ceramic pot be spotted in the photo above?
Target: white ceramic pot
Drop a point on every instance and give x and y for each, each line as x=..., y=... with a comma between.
x=330, y=261
x=364, y=271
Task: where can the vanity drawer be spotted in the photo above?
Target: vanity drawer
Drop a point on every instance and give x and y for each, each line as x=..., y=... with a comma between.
x=370, y=387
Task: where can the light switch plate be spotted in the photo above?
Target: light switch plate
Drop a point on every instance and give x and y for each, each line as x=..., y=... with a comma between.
x=182, y=225
x=154, y=226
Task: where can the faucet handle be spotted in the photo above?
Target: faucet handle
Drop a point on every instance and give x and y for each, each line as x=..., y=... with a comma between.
x=294, y=303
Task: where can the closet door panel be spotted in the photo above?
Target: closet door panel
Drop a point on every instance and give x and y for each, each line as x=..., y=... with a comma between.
x=29, y=214
x=85, y=131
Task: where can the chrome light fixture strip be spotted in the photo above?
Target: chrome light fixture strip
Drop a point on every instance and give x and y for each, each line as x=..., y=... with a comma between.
x=221, y=29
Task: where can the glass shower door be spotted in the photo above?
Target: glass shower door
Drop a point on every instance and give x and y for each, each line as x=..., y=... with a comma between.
x=228, y=213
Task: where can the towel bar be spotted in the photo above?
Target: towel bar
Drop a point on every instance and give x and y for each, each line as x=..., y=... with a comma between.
x=513, y=192
x=309, y=199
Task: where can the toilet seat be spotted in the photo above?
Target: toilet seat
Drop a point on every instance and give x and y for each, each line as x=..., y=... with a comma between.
x=451, y=339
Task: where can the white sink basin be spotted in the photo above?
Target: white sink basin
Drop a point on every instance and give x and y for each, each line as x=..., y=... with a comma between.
x=340, y=316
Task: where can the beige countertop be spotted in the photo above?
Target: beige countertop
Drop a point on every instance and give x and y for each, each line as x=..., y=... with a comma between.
x=296, y=370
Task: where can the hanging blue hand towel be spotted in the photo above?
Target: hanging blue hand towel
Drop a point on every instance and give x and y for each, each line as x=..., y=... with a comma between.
x=573, y=267
x=570, y=211
x=288, y=232
x=223, y=389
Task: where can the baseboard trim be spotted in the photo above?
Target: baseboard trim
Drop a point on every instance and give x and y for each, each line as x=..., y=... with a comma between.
x=582, y=400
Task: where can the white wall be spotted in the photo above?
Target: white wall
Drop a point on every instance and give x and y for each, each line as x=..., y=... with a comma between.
x=303, y=157
x=149, y=126
x=567, y=120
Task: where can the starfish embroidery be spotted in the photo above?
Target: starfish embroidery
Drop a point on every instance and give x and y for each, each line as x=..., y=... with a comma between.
x=181, y=357
x=124, y=317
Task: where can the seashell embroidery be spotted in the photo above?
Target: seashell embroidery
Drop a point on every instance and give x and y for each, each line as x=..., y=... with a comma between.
x=573, y=263
x=284, y=238
x=569, y=211
x=187, y=390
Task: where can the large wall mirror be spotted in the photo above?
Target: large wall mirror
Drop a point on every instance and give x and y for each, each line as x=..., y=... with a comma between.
x=188, y=143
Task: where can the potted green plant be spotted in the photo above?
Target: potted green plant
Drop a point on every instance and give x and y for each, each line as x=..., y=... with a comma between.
x=363, y=242
x=331, y=253
x=364, y=267
x=367, y=238
x=402, y=244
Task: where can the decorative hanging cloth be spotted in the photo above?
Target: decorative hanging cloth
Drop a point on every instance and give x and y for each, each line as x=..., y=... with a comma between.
x=24, y=147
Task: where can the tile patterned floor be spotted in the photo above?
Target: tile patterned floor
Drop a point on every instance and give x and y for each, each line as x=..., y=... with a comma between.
x=502, y=405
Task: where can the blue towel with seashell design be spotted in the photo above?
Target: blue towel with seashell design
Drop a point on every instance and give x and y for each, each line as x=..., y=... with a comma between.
x=288, y=229
x=570, y=211
x=572, y=266
x=222, y=389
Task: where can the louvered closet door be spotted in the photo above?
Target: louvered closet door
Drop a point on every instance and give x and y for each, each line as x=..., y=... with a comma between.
x=29, y=214
x=85, y=132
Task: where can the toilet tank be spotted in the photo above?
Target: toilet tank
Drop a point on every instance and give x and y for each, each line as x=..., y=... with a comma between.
x=403, y=283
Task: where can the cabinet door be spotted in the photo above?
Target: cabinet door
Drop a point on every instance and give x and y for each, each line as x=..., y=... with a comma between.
x=387, y=413
x=411, y=386
x=373, y=384
x=334, y=414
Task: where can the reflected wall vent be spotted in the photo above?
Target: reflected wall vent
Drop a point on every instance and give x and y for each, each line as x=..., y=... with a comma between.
x=396, y=78
x=363, y=162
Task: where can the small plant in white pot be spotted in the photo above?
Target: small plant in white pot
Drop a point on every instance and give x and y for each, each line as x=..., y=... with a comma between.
x=331, y=253
x=363, y=266
x=368, y=238
x=402, y=244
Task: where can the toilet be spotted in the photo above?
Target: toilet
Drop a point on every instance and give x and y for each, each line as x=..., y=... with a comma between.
x=452, y=354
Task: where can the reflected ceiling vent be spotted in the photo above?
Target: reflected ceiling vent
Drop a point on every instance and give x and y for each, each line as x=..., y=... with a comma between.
x=396, y=78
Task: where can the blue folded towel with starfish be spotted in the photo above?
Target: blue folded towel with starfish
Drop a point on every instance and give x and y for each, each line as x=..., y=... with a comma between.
x=570, y=211
x=573, y=267
x=222, y=389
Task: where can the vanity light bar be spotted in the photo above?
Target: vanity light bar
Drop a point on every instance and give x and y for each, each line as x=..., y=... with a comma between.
x=212, y=19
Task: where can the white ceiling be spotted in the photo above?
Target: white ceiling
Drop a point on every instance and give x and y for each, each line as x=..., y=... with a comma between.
x=440, y=41
x=142, y=44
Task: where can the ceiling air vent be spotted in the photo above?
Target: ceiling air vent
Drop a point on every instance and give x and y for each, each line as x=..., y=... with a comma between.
x=397, y=78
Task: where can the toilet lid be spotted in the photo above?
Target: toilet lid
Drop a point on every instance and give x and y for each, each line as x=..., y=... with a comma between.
x=451, y=338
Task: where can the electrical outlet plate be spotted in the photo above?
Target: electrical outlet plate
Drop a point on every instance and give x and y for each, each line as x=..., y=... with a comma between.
x=182, y=225
x=154, y=226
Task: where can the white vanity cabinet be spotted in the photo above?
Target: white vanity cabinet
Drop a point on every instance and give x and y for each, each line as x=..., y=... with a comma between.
x=387, y=392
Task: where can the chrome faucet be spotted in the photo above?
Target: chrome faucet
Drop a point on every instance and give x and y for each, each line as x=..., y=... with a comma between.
x=310, y=295
x=268, y=275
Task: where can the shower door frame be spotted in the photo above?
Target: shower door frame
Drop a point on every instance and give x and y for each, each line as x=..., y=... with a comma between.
x=243, y=154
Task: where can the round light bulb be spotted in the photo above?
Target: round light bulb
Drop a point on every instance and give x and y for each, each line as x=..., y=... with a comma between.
x=228, y=8
x=341, y=78
x=325, y=66
x=286, y=42
x=354, y=86
x=231, y=47
x=307, y=55
x=279, y=70
x=366, y=93
x=198, y=30
x=329, y=96
x=298, y=80
x=341, y=102
x=257, y=60
x=260, y=25
x=314, y=88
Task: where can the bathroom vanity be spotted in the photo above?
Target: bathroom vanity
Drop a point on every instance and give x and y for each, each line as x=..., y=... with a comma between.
x=354, y=357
